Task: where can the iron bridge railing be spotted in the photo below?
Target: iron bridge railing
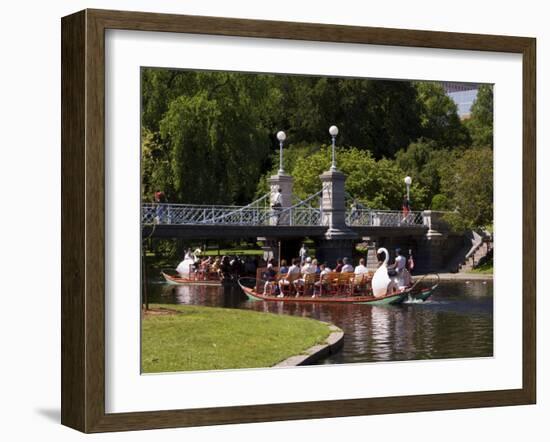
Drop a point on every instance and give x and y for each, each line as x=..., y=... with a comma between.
x=383, y=218
x=190, y=214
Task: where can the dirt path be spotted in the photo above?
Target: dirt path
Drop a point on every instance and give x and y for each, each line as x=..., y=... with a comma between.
x=459, y=276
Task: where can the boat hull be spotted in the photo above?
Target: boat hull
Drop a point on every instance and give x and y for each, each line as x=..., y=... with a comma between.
x=395, y=298
x=424, y=294
x=176, y=280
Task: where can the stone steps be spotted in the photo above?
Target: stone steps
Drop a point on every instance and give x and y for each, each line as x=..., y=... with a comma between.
x=480, y=252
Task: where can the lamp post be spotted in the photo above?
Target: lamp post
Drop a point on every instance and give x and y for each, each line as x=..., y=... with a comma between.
x=333, y=131
x=281, y=136
x=408, y=181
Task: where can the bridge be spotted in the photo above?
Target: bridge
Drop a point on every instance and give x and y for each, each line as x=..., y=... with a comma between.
x=216, y=222
x=325, y=216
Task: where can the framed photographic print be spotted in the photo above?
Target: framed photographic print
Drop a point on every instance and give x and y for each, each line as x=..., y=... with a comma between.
x=267, y=221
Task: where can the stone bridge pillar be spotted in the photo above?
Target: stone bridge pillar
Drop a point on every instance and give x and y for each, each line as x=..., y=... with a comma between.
x=433, y=247
x=284, y=182
x=339, y=238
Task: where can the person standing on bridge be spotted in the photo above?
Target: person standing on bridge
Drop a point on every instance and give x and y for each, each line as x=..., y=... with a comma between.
x=160, y=199
x=406, y=208
x=354, y=212
x=277, y=205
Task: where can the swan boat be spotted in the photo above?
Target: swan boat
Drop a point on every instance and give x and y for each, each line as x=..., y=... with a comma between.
x=256, y=295
x=192, y=279
x=378, y=289
x=383, y=283
x=186, y=275
x=249, y=287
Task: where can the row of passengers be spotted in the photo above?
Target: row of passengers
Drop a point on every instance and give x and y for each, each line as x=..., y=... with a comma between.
x=225, y=265
x=310, y=267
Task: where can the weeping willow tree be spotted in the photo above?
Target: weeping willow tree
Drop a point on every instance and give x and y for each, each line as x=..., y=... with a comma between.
x=212, y=142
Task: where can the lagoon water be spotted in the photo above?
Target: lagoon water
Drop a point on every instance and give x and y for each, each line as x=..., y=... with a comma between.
x=456, y=322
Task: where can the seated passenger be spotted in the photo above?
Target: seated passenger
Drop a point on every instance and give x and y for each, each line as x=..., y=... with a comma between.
x=403, y=276
x=308, y=267
x=361, y=268
x=315, y=265
x=322, y=285
x=283, y=270
x=293, y=272
x=347, y=267
x=269, y=275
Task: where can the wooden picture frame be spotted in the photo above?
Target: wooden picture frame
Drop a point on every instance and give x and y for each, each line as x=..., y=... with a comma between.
x=83, y=220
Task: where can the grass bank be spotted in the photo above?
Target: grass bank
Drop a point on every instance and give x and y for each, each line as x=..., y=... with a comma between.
x=233, y=252
x=484, y=269
x=184, y=338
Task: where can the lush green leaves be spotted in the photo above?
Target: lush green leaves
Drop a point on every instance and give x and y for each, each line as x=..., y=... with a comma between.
x=377, y=184
x=155, y=168
x=439, y=118
x=480, y=123
x=468, y=184
x=381, y=116
x=423, y=162
x=378, y=115
x=209, y=137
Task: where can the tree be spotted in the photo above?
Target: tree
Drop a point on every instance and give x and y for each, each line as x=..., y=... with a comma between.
x=480, y=123
x=423, y=162
x=440, y=202
x=439, y=117
x=307, y=108
x=209, y=137
x=378, y=115
x=216, y=140
x=155, y=168
x=158, y=88
x=291, y=155
x=468, y=184
x=376, y=184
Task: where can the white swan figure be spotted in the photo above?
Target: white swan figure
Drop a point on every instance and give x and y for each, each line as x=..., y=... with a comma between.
x=381, y=282
x=184, y=267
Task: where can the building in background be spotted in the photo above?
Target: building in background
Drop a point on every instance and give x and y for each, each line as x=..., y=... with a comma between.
x=463, y=94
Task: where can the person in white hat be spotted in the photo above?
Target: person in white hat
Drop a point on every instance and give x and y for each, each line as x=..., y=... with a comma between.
x=308, y=267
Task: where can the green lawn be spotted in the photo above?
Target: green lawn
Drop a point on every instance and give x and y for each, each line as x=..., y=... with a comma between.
x=232, y=252
x=486, y=268
x=206, y=338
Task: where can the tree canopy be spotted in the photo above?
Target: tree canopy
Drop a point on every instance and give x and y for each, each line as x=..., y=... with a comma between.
x=439, y=118
x=374, y=183
x=480, y=123
x=468, y=184
x=209, y=138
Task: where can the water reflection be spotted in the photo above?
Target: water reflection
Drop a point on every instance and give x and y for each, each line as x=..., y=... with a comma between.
x=456, y=322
